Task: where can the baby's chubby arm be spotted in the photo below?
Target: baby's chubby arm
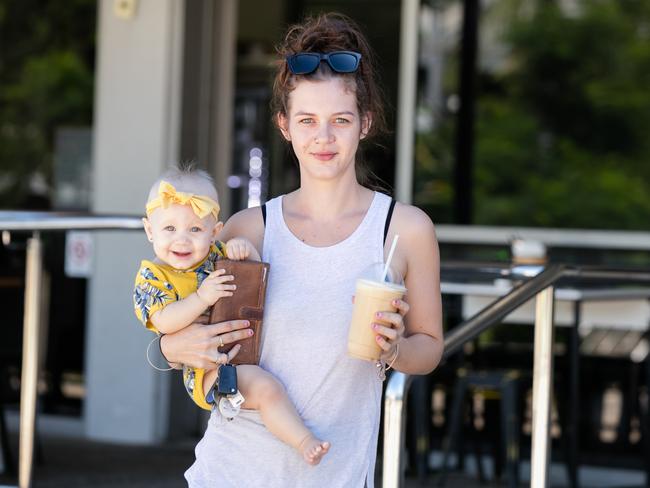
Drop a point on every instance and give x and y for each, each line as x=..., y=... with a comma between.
x=180, y=314
x=239, y=248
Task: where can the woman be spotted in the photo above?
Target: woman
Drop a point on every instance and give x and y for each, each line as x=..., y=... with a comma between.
x=319, y=239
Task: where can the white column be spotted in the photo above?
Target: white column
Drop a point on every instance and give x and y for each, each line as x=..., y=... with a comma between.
x=137, y=98
x=406, y=99
x=223, y=96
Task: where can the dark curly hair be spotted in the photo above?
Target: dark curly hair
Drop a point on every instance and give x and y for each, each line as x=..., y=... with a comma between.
x=325, y=33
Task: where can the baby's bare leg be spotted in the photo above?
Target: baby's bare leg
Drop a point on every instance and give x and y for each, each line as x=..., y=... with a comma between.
x=209, y=378
x=263, y=392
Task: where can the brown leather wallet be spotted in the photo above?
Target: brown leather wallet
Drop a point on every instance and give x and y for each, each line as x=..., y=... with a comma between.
x=247, y=302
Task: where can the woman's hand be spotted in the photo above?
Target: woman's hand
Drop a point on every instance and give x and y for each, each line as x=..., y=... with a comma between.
x=391, y=334
x=197, y=345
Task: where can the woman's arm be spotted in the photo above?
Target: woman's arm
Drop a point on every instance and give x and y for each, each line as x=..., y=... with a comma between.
x=197, y=345
x=418, y=334
x=247, y=223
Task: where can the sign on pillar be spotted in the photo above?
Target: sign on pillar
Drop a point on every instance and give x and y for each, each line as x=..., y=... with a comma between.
x=78, y=254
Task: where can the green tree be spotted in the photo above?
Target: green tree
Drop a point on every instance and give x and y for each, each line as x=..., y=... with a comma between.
x=46, y=81
x=574, y=152
x=561, y=128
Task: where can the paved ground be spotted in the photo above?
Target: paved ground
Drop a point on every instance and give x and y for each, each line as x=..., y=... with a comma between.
x=72, y=463
x=69, y=461
x=78, y=463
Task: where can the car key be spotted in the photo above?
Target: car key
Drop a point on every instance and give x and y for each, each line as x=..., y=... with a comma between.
x=227, y=382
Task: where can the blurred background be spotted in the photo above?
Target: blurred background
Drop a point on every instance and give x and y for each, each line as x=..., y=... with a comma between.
x=530, y=117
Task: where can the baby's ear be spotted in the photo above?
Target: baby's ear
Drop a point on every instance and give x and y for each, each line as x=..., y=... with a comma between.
x=147, y=228
x=218, y=227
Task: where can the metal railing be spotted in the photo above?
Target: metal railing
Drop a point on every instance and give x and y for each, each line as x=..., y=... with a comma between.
x=397, y=388
x=36, y=222
x=540, y=286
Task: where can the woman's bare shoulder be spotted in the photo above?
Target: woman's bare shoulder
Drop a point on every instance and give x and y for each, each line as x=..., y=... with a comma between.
x=246, y=223
x=409, y=220
x=246, y=216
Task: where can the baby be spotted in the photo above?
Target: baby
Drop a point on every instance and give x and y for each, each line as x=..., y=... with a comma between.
x=172, y=291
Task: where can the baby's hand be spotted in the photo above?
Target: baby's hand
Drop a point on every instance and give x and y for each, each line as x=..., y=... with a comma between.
x=238, y=249
x=215, y=287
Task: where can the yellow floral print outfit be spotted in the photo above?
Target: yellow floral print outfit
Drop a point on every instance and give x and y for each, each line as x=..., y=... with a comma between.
x=158, y=285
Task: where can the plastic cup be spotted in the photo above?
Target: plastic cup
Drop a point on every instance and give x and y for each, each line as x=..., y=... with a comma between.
x=371, y=296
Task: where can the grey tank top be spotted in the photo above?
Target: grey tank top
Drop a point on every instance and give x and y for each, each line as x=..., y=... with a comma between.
x=304, y=344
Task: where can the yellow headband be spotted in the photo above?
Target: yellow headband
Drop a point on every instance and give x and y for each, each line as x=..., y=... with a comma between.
x=201, y=205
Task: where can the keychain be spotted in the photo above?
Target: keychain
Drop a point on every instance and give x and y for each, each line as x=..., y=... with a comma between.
x=226, y=380
x=225, y=389
x=381, y=370
x=230, y=405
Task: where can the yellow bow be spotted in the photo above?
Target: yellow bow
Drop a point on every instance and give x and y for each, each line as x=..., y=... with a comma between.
x=167, y=195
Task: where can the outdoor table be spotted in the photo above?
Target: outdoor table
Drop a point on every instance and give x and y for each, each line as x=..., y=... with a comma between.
x=581, y=309
x=612, y=307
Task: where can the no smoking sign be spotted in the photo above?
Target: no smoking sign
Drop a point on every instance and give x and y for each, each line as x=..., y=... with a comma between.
x=78, y=254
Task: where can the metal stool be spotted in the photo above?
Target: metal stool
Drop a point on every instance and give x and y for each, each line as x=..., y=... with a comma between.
x=506, y=383
x=8, y=462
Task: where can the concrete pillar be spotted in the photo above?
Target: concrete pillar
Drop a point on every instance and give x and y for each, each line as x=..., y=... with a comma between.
x=136, y=134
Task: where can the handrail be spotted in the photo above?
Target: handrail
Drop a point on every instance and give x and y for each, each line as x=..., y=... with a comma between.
x=507, y=270
x=37, y=222
x=499, y=309
x=19, y=220
x=398, y=384
x=541, y=286
x=551, y=237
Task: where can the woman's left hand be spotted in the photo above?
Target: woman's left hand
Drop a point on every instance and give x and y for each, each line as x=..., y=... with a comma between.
x=390, y=331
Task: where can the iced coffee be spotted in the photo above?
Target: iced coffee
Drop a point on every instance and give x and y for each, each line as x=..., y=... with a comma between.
x=370, y=297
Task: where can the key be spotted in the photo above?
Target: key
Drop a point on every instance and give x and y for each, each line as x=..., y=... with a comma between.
x=225, y=385
x=210, y=397
x=227, y=409
x=236, y=400
x=227, y=382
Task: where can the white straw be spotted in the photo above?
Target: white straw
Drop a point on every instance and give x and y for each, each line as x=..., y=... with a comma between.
x=390, y=257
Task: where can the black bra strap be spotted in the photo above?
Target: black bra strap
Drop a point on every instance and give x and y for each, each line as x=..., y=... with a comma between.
x=263, y=207
x=388, y=217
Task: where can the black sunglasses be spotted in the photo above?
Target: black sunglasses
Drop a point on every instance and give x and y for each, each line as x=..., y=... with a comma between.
x=339, y=61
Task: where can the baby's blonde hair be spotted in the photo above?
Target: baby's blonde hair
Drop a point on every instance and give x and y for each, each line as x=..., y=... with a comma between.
x=188, y=178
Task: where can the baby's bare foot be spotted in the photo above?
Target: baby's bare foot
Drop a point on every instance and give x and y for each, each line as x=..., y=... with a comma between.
x=313, y=449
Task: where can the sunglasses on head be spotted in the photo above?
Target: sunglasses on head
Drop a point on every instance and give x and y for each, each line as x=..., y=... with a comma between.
x=339, y=61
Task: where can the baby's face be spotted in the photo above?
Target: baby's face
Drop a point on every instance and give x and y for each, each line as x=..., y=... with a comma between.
x=180, y=238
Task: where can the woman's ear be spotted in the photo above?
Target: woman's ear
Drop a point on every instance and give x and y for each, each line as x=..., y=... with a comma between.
x=366, y=124
x=283, y=125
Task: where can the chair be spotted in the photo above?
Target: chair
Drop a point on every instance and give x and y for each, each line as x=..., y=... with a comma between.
x=506, y=384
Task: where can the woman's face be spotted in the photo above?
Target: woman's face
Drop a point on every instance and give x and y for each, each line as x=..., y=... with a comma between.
x=324, y=127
